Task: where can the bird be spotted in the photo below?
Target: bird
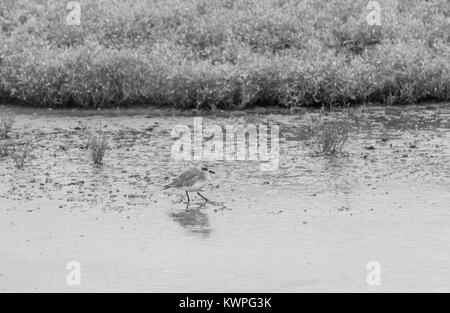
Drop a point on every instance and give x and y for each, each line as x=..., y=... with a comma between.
x=192, y=180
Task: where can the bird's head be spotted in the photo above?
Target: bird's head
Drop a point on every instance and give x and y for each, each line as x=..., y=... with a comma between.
x=205, y=168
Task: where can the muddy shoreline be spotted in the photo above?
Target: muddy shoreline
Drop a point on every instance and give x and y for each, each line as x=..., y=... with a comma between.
x=312, y=225
x=156, y=111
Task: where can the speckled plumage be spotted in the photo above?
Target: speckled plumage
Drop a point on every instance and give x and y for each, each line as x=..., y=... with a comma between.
x=191, y=180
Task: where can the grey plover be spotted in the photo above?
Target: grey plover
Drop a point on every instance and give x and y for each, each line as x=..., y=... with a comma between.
x=193, y=180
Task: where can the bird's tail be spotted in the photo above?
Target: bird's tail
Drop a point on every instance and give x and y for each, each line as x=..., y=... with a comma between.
x=167, y=186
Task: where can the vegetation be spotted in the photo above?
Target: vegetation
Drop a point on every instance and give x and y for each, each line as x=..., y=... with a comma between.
x=223, y=53
x=6, y=123
x=328, y=134
x=19, y=155
x=98, y=145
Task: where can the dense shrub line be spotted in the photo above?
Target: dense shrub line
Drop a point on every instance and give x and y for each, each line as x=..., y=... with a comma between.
x=224, y=54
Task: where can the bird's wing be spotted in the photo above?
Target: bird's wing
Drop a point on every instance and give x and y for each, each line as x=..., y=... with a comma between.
x=188, y=178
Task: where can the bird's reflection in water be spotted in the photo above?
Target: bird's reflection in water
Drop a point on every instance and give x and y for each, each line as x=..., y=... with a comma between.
x=193, y=220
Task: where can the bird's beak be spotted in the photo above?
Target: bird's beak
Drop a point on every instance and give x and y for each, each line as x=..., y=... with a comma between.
x=211, y=172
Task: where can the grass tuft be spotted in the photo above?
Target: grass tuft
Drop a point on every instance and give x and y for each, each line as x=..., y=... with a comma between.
x=328, y=134
x=20, y=155
x=98, y=144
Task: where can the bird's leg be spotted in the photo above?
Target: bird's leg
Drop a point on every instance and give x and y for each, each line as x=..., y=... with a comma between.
x=204, y=198
x=189, y=200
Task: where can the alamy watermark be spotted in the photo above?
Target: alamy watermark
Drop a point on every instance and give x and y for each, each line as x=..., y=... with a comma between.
x=73, y=278
x=74, y=16
x=230, y=143
x=374, y=16
x=373, y=278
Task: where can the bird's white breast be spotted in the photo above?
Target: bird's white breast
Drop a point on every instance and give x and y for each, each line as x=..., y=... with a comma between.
x=197, y=186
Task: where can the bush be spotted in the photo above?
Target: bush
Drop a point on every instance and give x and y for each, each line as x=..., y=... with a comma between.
x=328, y=134
x=215, y=54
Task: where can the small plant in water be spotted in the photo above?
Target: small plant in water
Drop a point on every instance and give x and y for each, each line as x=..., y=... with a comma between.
x=6, y=123
x=329, y=134
x=98, y=145
x=19, y=156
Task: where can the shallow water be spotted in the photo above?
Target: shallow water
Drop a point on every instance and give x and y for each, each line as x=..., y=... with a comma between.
x=312, y=225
